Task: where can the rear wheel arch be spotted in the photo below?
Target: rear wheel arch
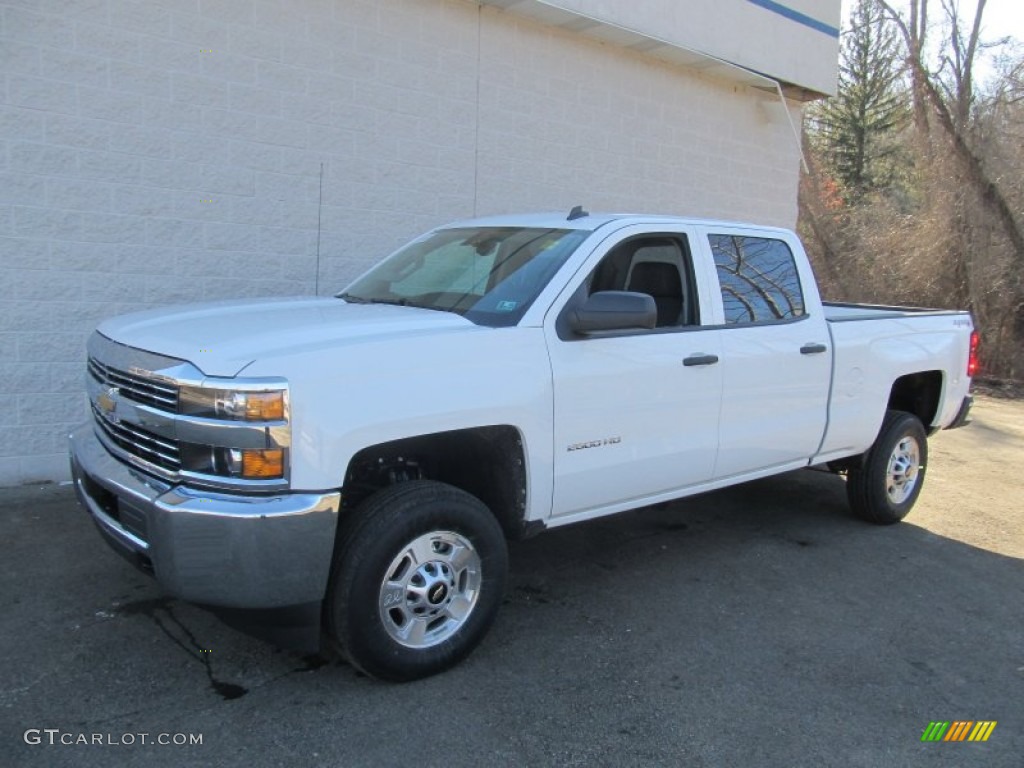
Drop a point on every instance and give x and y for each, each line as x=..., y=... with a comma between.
x=920, y=394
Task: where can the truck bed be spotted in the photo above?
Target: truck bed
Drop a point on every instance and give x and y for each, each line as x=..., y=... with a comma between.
x=838, y=312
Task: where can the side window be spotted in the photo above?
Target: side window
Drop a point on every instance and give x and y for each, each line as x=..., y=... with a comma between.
x=658, y=265
x=758, y=278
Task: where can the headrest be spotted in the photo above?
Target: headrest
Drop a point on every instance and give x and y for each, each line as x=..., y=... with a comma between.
x=656, y=278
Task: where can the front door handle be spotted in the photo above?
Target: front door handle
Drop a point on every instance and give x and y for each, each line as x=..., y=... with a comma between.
x=813, y=349
x=700, y=360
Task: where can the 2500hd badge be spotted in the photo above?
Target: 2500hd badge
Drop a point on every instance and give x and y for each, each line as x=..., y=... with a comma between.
x=594, y=443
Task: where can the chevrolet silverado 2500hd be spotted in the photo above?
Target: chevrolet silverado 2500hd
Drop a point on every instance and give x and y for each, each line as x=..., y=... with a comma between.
x=371, y=453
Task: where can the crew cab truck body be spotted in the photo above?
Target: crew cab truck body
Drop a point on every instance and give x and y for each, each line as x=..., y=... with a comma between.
x=369, y=454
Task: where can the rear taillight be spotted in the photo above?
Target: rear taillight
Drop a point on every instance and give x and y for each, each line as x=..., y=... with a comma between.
x=972, y=358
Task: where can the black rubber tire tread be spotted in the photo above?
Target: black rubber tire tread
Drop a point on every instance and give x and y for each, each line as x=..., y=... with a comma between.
x=865, y=485
x=370, y=538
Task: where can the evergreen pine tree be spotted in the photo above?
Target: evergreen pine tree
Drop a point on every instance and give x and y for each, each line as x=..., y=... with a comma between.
x=854, y=132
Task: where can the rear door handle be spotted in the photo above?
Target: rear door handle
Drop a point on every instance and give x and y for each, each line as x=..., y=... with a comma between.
x=813, y=349
x=700, y=360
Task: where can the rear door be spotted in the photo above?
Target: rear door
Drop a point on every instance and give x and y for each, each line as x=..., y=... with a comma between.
x=634, y=416
x=775, y=351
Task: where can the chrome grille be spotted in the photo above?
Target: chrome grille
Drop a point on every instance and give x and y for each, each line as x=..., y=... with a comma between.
x=135, y=406
x=139, y=389
x=139, y=442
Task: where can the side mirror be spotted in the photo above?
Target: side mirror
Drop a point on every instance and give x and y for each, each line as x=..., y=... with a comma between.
x=614, y=311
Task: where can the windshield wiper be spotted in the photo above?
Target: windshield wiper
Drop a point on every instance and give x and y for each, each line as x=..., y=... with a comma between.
x=401, y=302
x=392, y=302
x=352, y=299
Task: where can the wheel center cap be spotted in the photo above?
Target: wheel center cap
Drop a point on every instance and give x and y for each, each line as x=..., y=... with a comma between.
x=437, y=593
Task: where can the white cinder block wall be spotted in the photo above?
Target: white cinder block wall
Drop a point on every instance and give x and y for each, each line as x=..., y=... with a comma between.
x=170, y=150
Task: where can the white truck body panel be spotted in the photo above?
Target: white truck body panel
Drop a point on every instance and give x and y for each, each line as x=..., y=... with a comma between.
x=333, y=420
x=634, y=396
x=867, y=361
x=222, y=338
x=606, y=422
x=367, y=374
x=774, y=399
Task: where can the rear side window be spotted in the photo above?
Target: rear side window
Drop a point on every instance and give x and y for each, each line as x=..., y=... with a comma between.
x=758, y=278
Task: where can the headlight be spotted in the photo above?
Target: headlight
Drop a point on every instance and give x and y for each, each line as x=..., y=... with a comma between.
x=249, y=442
x=232, y=404
x=243, y=463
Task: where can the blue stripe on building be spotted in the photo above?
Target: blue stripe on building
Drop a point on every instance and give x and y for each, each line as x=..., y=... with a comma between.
x=799, y=18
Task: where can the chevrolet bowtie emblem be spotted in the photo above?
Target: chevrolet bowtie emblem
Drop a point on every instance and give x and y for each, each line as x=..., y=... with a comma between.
x=107, y=401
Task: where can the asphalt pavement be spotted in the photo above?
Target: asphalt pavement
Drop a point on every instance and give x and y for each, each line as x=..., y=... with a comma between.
x=758, y=626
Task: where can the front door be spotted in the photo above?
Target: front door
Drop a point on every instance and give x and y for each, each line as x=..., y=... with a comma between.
x=635, y=413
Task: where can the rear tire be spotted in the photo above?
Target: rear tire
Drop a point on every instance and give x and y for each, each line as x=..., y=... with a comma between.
x=417, y=582
x=883, y=490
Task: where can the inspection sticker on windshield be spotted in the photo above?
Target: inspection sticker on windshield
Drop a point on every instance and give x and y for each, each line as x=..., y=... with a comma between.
x=507, y=306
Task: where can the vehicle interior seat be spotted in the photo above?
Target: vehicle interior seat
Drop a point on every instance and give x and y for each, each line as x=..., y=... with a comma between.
x=663, y=283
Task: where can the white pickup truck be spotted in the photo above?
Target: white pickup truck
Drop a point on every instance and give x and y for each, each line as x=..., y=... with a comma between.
x=370, y=454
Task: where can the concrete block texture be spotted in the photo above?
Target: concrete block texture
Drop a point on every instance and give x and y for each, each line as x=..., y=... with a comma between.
x=159, y=153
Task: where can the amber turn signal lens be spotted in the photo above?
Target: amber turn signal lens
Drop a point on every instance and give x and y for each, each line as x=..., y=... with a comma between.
x=263, y=464
x=264, y=406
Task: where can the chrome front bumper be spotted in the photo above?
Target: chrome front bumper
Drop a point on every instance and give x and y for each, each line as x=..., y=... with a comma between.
x=204, y=547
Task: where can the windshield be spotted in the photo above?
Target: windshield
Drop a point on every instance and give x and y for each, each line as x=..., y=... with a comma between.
x=489, y=275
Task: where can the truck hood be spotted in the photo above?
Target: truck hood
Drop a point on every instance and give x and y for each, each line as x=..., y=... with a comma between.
x=222, y=338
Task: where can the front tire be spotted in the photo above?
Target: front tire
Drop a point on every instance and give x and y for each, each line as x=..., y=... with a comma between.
x=883, y=490
x=418, y=580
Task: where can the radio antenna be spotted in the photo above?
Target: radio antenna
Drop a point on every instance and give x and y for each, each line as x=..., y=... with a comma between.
x=319, y=209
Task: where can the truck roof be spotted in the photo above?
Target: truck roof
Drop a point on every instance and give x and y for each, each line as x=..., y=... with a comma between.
x=592, y=221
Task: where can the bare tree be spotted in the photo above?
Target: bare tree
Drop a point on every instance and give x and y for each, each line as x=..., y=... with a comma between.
x=947, y=232
x=915, y=32
x=978, y=193
x=958, y=63
x=948, y=117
